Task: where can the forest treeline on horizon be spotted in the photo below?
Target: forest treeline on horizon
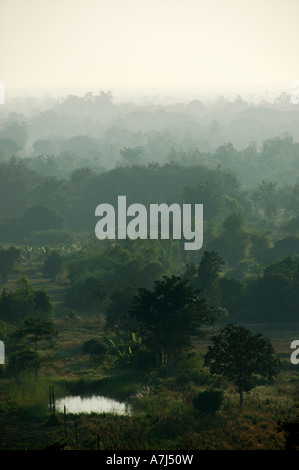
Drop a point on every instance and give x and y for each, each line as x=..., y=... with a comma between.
x=58, y=164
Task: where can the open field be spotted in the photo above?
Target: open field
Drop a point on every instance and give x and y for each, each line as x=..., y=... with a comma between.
x=163, y=418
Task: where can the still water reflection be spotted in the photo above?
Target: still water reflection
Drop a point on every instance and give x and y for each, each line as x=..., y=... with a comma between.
x=93, y=404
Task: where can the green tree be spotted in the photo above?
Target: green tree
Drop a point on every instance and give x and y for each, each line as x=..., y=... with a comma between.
x=168, y=316
x=86, y=295
x=42, y=303
x=96, y=349
x=24, y=301
x=237, y=238
x=209, y=271
x=226, y=154
x=241, y=356
x=53, y=264
x=208, y=194
x=268, y=197
x=117, y=313
x=18, y=303
x=206, y=276
x=40, y=218
x=232, y=295
x=259, y=242
x=23, y=358
x=132, y=156
x=35, y=329
x=16, y=130
x=8, y=260
x=274, y=297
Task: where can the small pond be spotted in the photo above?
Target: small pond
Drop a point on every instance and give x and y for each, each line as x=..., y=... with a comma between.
x=92, y=404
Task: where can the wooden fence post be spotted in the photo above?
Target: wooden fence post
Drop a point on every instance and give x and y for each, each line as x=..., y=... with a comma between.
x=76, y=435
x=50, y=397
x=64, y=414
x=53, y=400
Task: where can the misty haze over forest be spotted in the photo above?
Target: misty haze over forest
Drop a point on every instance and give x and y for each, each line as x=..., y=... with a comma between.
x=112, y=108
x=54, y=136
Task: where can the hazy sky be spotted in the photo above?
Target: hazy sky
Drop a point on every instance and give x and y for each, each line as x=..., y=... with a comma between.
x=157, y=44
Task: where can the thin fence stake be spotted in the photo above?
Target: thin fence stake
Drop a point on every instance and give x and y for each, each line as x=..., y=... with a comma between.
x=50, y=397
x=53, y=400
x=76, y=435
x=64, y=414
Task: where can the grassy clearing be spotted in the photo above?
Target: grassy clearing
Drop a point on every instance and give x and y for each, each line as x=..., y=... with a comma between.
x=163, y=414
x=163, y=418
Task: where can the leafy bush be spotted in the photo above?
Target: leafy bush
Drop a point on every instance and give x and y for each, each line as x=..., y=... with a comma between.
x=144, y=360
x=94, y=347
x=190, y=369
x=209, y=401
x=23, y=359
